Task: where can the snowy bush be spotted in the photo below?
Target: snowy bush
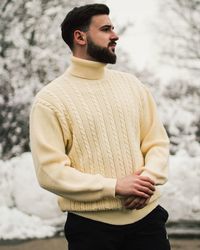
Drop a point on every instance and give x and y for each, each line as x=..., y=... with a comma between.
x=14, y=126
x=27, y=211
x=181, y=115
x=32, y=53
x=181, y=193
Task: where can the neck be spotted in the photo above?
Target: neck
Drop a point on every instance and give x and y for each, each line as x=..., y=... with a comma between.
x=86, y=68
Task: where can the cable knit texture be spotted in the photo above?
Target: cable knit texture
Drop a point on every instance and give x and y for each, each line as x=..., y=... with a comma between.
x=89, y=127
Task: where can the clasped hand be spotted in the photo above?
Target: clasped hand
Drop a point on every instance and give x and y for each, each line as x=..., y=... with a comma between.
x=136, y=190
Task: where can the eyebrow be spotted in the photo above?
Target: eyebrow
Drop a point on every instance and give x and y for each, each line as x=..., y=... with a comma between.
x=107, y=26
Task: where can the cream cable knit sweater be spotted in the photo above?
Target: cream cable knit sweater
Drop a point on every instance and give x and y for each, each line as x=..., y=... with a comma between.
x=89, y=127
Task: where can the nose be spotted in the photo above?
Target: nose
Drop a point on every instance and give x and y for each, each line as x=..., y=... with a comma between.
x=114, y=36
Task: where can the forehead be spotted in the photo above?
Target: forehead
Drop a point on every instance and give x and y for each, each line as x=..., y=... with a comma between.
x=100, y=20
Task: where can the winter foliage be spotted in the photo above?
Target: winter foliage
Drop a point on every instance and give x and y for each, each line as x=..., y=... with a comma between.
x=32, y=53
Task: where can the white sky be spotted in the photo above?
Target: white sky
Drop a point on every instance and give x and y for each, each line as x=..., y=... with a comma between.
x=139, y=39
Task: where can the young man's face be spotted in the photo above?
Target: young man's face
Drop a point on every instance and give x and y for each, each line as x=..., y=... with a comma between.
x=101, y=40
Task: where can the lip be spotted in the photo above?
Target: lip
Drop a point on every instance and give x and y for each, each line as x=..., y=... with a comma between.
x=112, y=46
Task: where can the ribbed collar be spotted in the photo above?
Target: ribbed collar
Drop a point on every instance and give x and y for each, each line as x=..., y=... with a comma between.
x=86, y=69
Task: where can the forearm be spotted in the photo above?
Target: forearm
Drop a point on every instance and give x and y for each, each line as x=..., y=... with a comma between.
x=157, y=160
x=70, y=183
x=154, y=142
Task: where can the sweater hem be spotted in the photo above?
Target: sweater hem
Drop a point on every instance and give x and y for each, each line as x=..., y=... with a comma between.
x=119, y=217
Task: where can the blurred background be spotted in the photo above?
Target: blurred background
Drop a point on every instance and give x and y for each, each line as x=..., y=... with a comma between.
x=159, y=43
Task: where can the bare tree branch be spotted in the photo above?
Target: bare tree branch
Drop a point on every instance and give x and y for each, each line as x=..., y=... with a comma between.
x=183, y=33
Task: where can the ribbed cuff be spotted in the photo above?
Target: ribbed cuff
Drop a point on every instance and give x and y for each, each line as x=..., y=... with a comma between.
x=109, y=187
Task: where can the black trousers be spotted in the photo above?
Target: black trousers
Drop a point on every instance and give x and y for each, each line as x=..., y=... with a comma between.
x=148, y=233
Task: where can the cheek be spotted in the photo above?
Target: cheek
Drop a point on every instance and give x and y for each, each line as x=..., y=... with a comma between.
x=101, y=40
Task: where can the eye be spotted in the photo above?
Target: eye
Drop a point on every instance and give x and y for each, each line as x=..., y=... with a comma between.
x=106, y=29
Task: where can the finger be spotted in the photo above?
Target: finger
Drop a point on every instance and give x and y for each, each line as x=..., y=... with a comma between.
x=145, y=203
x=145, y=190
x=128, y=200
x=132, y=204
x=147, y=179
x=140, y=188
x=141, y=194
x=146, y=184
x=141, y=203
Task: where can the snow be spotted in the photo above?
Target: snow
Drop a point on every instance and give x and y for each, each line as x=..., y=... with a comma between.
x=181, y=195
x=28, y=211
x=15, y=224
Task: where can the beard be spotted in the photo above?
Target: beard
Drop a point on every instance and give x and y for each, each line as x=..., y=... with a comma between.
x=101, y=54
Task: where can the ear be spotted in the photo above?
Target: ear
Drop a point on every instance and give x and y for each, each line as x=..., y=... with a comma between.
x=79, y=37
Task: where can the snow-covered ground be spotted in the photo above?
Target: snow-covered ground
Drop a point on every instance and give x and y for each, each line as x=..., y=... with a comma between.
x=28, y=211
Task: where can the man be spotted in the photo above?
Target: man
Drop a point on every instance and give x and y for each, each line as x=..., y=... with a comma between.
x=97, y=143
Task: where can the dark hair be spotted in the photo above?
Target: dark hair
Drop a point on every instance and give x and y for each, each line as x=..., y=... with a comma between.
x=80, y=18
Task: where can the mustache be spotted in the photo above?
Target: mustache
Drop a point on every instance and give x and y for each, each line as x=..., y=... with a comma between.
x=112, y=43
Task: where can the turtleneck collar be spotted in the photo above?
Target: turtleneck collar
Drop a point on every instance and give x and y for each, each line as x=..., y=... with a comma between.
x=86, y=69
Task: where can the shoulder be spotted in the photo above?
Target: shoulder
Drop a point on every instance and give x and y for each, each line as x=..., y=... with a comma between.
x=123, y=75
x=50, y=88
x=49, y=95
x=128, y=78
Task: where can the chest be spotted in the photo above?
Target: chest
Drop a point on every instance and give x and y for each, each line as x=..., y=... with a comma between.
x=102, y=102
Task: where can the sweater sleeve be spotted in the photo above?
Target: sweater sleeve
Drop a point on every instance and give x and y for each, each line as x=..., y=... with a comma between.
x=53, y=166
x=154, y=141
